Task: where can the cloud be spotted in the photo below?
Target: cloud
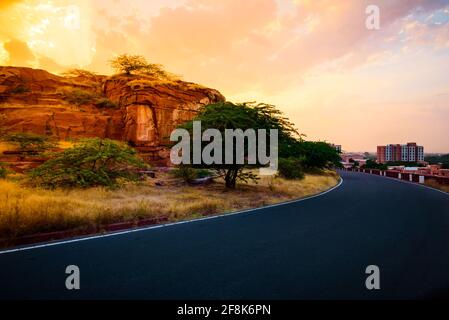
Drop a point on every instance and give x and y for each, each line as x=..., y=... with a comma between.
x=19, y=53
x=7, y=3
x=256, y=45
x=252, y=45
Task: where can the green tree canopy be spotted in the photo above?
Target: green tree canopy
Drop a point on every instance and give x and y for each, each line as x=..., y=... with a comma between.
x=442, y=159
x=91, y=162
x=315, y=154
x=250, y=115
x=371, y=164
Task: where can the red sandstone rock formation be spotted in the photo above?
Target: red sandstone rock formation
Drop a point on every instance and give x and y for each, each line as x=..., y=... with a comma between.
x=146, y=110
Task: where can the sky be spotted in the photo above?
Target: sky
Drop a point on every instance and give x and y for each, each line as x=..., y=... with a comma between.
x=316, y=60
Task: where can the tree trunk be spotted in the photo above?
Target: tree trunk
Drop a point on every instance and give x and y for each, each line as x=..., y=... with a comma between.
x=231, y=178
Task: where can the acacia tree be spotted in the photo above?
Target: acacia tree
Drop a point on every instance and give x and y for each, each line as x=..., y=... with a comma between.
x=250, y=115
x=126, y=63
x=129, y=64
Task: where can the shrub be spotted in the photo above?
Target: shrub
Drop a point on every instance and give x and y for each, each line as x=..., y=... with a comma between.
x=79, y=97
x=105, y=103
x=186, y=173
x=79, y=73
x=3, y=173
x=290, y=168
x=29, y=141
x=90, y=162
x=19, y=89
x=202, y=173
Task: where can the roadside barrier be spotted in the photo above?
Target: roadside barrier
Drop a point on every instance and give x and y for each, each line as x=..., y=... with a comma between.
x=406, y=176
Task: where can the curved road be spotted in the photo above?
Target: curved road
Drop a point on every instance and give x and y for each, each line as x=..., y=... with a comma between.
x=312, y=249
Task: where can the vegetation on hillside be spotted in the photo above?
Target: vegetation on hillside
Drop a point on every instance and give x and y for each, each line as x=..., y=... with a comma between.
x=29, y=142
x=3, y=171
x=79, y=73
x=81, y=97
x=137, y=64
x=19, y=90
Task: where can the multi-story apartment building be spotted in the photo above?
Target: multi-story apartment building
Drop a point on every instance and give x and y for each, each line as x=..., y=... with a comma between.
x=381, y=154
x=409, y=152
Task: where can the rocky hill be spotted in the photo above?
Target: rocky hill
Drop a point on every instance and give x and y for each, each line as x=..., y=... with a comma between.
x=134, y=108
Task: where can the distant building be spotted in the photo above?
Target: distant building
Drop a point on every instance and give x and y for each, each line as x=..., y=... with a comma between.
x=349, y=158
x=381, y=154
x=429, y=170
x=409, y=152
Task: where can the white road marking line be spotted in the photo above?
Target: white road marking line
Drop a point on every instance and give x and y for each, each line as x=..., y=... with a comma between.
x=51, y=244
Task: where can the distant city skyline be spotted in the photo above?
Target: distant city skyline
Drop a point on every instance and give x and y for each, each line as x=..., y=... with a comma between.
x=316, y=60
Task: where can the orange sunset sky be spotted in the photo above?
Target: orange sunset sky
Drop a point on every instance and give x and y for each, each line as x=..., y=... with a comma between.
x=315, y=60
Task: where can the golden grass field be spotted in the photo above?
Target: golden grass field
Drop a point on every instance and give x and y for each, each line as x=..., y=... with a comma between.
x=25, y=211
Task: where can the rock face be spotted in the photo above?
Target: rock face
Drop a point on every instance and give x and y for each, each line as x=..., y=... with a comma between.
x=137, y=109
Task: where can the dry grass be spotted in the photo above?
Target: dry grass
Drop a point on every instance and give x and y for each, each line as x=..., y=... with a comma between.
x=5, y=146
x=151, y=82
x=63, y=144
x=25, y=211
x=436, y=185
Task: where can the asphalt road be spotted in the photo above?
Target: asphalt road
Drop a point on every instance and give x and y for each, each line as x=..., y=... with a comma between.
x=313, y=249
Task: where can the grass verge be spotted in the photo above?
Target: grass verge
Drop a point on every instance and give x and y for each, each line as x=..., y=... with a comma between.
x=434, y=184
